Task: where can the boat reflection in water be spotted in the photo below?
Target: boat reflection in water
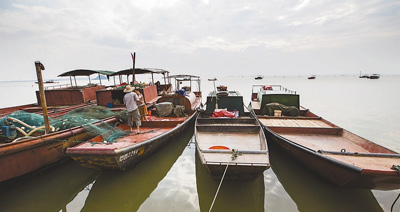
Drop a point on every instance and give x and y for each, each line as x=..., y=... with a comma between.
x=47, y=190
x=232, y=195
x=313, y=193
x=126, y=191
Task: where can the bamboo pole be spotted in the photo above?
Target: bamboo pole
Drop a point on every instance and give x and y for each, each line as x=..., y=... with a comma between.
x=39, y=67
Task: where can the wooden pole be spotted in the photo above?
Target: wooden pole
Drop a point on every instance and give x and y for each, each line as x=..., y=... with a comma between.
x=70, y=79
x=39, y=67
x=100, y=78
x=133, y=68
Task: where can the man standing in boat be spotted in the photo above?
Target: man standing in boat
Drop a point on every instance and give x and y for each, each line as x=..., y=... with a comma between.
x=130, y=99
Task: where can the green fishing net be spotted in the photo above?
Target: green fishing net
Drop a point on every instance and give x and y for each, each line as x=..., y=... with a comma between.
x=84, y=117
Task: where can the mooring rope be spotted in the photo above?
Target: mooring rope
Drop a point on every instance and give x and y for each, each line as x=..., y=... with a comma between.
x=235, y=153
x=391, y=208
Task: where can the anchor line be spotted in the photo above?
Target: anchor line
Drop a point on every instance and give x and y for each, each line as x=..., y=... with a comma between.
x=235, y=153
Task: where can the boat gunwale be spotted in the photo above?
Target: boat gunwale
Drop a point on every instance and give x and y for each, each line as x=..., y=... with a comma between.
x=215, y=163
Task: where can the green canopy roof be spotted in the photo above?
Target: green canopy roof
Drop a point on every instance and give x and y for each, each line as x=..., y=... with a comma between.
x=140, y=71
x=86, y=72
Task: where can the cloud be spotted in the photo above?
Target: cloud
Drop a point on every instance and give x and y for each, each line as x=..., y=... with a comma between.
x=301, y=5
x=95, y=30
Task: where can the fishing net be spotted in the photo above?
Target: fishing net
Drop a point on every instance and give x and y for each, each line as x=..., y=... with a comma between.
x=84, y=117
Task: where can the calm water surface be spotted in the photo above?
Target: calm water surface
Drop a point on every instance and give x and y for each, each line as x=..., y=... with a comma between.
x=172, y=179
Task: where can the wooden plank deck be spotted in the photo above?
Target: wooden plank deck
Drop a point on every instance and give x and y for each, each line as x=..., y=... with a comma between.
x=293, y=122
x=364, y=162
x=325, y=142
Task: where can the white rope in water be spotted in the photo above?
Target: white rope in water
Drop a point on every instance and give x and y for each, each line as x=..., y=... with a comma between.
x=220, y=183
x=235, y=153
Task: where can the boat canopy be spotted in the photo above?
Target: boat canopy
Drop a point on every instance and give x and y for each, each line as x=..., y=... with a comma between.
x=140, y=71
x=130, y=71
x=85, y=72
x=184, y=77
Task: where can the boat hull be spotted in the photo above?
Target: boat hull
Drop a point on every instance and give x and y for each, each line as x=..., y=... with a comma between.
x=334, y=153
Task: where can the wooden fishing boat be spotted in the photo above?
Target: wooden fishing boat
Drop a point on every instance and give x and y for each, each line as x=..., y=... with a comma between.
x=22, y=152
x=131, y=149
x=30, y=154
x=336, y=154
x=235, y=144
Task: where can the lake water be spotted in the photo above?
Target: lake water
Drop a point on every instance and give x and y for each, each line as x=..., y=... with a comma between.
x=172, y=179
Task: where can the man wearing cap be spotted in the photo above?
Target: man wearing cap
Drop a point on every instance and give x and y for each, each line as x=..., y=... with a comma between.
x=130, y=99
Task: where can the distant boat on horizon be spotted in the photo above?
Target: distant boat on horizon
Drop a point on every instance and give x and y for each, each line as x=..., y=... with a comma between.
x=259, y=77
x=48, y=81
x=372, y=76
x=312, y=77
x=363, y=75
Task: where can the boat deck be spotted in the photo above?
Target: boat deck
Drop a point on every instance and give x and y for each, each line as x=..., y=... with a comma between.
x=241, y=141
x=325, y=142
x=365, y=162
x=293, y=122
x=149, y=129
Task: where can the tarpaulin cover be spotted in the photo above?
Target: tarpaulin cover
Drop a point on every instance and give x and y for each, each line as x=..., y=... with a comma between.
x=164, y=108
x=222, y=113
x=180, y=111
x=286, y=110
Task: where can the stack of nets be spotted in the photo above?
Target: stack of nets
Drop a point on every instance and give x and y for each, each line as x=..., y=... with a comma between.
x=84, y=117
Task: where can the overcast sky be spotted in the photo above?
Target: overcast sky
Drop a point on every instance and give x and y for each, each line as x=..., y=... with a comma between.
x=213, y=37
